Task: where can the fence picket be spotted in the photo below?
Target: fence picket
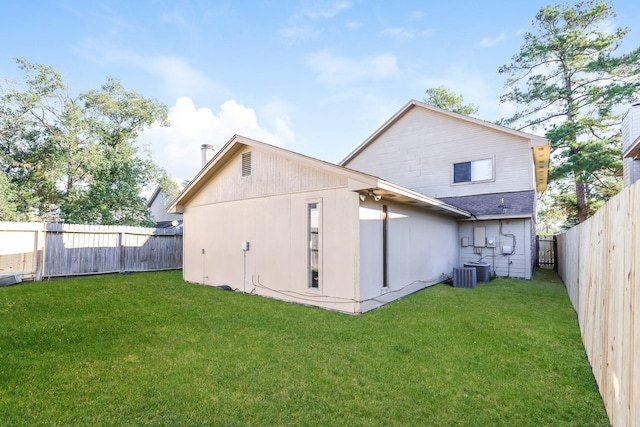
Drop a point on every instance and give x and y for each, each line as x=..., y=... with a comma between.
x=600, y=266
x=54, y=250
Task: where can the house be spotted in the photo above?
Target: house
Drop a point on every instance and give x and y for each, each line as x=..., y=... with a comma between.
x=631, y=145
x=268, y=221
x=491, y=171
x=158, y=203
x=355, y=236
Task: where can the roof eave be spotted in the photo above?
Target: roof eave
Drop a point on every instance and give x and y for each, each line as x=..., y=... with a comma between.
x=633, y=151
x=404, y=195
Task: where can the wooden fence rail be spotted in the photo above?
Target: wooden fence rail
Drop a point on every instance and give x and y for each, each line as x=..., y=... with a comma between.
x=37, y=251
x=599, y=262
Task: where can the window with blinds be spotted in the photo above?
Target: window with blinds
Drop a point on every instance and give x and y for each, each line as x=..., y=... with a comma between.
x=477, y=170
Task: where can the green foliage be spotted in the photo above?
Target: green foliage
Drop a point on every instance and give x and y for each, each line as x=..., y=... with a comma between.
x=150, y=349
x=8, y=200
x=169, y=188
x=444, y=98
x=568, y=81
x=75, y=157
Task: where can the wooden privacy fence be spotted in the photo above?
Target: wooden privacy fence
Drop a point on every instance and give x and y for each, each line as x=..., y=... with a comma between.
x=37, y=251
x=546, y=251
x=599, y=262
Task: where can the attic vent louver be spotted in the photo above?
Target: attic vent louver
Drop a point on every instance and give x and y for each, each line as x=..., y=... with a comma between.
x=246, y=164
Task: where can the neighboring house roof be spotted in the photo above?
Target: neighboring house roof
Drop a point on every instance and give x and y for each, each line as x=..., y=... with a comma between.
x=358, y=181
x=540, y=146
x=181, y=183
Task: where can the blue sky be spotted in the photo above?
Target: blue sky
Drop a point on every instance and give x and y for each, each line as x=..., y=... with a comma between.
x=316, y=77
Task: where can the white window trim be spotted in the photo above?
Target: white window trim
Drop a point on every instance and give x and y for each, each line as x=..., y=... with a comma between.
x=318, y=202
x=476, y=159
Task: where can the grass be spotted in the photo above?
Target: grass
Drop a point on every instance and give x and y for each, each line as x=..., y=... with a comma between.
x=149, y=349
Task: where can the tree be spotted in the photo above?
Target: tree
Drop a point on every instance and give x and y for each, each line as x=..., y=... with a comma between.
x=444, y=98
x=569, y=81
x=8, y=200
x=75, y=157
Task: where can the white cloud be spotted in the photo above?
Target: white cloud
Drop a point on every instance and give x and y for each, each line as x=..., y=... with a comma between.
x=492, y=41
x=178, y=77
x=301, y=25
x=419, y=15
x=335, y=70
x=474, y=87
x=177, y=148
x=405, y=34
x=397, y=32
x=299, y=32
x=353, y=25
x=173, y=17
x=325, y=10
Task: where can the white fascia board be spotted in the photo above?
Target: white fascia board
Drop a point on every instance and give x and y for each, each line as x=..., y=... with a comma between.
x=401, y=191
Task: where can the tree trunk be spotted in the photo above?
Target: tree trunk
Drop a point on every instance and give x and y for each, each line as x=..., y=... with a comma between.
x=581, y=201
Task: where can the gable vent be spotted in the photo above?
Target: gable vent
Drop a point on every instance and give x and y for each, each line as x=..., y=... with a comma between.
x=246, y=164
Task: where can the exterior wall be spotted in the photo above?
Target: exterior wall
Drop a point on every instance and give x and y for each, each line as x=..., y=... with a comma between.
x=419, y=150
x=517, y=265
x=270, y=175
x=630, y=134
x=421, y=251
x=158, y=209
x=276, y=263
x=631, y=171
x=269, y=209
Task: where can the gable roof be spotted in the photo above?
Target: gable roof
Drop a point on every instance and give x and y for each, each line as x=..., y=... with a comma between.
x=181, y=183
x=358, y=181
x=540, y=146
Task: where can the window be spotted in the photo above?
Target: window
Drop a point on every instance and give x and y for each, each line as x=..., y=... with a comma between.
x=385, y=245
x=246, y=164
x=314, y=245
x=476, y=170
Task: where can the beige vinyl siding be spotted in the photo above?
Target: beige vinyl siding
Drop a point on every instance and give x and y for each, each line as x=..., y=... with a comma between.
x=419, y=150
x=276, y=263
x=421, y=248
x=158, y=209
x=269, y=209
x=630, y=127
x=270, y=174
x=630, y=133
x=631, y=169
x=520, y=261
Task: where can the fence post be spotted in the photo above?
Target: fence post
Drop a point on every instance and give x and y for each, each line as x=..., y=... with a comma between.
x=555, y=253
x=122, y=260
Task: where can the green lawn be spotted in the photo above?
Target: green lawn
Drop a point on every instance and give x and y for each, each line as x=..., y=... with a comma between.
x=149, y=349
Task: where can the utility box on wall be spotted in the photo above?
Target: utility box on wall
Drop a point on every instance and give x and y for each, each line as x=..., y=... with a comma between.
x=479, y=237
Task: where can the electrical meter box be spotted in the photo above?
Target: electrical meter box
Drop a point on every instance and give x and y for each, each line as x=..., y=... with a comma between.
x=479, y=237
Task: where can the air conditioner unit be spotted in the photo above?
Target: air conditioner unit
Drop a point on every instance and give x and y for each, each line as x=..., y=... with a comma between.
x=464, y=277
